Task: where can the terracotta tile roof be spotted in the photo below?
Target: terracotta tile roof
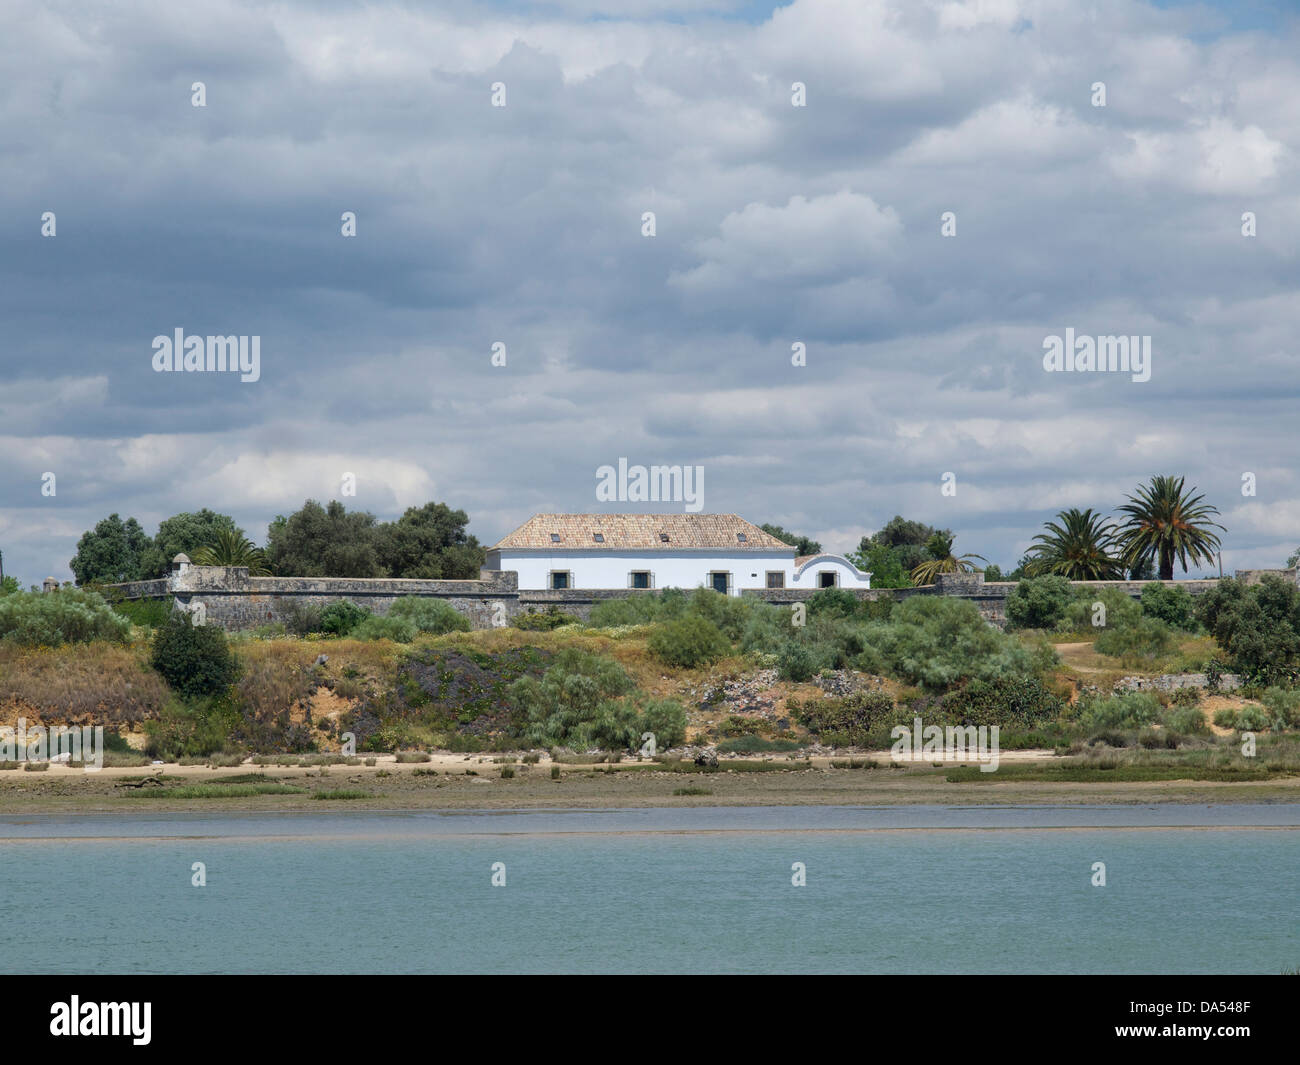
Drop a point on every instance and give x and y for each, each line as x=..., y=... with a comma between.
x=640, y=532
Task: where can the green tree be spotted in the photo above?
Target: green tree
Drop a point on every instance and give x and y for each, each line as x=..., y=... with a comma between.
x=942, y=560
x=891, y=554
x=1079, y=545
x=321, y=541
x=230, y=548
x=195, y=660
x=884, y=565
x=184, y=534
x=1039, y=602
x=1257, y=625
x=110, y=553
x=430, y=542
x=802, y=544
x=1167, y=523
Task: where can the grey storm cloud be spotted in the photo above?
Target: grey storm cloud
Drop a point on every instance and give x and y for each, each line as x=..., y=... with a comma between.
x=775, y=225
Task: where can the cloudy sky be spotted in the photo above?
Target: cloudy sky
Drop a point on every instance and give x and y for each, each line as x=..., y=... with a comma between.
x=774, y=225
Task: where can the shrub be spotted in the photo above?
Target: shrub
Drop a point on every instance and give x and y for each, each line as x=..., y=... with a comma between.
x=1144, y=639
x=1188, y=719
x=665, y=718
x=1170, y=604
x=639, y=609
x=1283, y=706
x=846, y=722
x=543, y=621
x=689, y=642
x=833, y=602
x=795, y=662
x=1123, y=710
x=939, y=642
x=1039, y=602
x=400, y=630
x=435, y=616
x=193, y=659
x=70, y=615
x=730, y=613
x=1120, y=610
x=341, y=617
x=1226, y=718
x=302, y=619
x=578, y=702
x=147, y=613
x=1020, y=702
x=1256, y=625
x=194, y=731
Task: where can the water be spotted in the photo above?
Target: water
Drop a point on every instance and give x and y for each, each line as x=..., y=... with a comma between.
x=1190, y=889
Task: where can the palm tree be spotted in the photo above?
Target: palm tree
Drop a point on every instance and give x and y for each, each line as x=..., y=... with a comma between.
x=1081, y=548
x=228, y=548
x=1165, y=523
x=943, y=560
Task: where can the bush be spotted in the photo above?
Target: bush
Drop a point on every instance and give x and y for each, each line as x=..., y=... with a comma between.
x=846, y=722
x=639, y=609
x=833, y=602
x=146, y=613
x=435, y=616
x=302, y=619
x=578, y=702
x=70, y=615
x=374, y=627
x=795, y=662
x=194, y=660
x=1188, y=719
x=1039, y=602
x=1020, y=703
x=1257, y=625
x=341, y=617
x=665, y=718
x=939, y=642
x=1145, y=639
x=193, y=731
x=1172, y=605
x=689, y=642
x=1124, y=710
x=1283, y=707
x=543, y=621
x=1120, y=610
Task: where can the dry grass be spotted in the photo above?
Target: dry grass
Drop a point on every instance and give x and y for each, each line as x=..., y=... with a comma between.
x=95, y=683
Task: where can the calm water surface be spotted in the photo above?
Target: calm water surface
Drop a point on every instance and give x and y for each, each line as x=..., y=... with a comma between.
x=889, y=890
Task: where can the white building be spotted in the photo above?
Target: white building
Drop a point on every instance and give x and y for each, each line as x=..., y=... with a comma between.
x=719, y=551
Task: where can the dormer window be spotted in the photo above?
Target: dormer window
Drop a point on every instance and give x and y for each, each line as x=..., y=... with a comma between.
x=740, y=537
x=598, y=537
x=663, y=537
x=555, y=538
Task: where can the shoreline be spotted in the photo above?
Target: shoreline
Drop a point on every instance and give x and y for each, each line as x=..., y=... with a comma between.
x=453, y=782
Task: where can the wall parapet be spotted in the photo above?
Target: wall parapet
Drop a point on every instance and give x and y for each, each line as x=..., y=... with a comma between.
x=235, y=600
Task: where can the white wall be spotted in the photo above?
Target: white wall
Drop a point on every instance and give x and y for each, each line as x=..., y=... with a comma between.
x=610, y=569
x=847, y=575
